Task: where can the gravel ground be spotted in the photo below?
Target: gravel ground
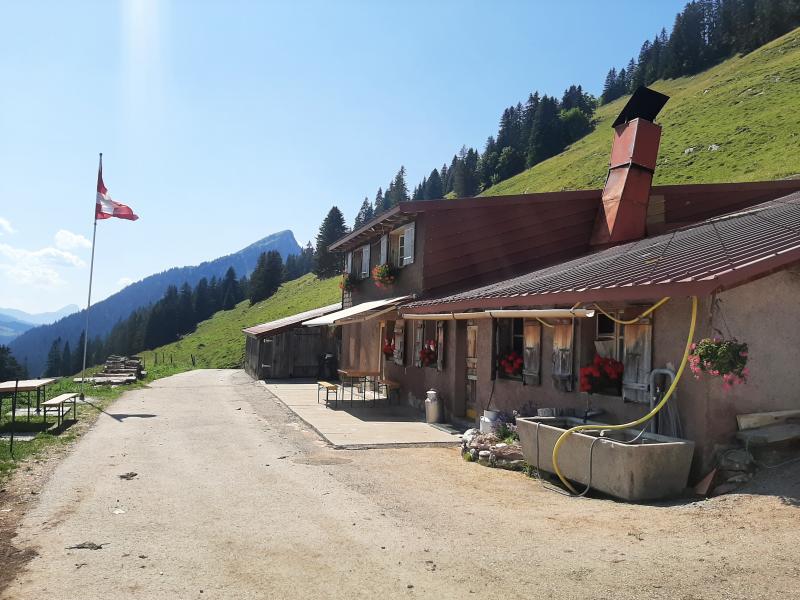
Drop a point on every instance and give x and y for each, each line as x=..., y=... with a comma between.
x=234, y=498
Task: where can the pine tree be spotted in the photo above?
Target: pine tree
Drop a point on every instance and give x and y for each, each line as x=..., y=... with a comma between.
x=610, y=87
x=186, y=315
x=433, y=187
x=398, y=189
x=380, y=203
x=326, y=263
x=53, y=368
x=10, y=369
x=365, y=214
x=274, y=272
x=77, y=357
x=66, y=361
x=229, y=289
x=465, y=173
x=546, y=135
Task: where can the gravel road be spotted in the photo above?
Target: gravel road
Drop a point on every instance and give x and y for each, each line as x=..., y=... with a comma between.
x=234, y=498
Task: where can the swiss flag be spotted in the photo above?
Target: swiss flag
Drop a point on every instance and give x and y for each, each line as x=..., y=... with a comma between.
x=105, y=208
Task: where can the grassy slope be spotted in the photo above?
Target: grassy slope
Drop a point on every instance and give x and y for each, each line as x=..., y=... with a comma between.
x=749, y=106
x=219, y=342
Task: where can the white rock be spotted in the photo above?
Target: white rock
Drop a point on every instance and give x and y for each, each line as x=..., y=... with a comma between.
x=713, y=147
x=688, y=151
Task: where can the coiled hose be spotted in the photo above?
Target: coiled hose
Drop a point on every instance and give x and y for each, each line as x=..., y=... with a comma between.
x=641, y=420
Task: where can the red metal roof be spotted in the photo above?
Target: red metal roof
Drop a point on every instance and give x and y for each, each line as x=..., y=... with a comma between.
x=281, y=325
x=683, y=204
x=715, y=254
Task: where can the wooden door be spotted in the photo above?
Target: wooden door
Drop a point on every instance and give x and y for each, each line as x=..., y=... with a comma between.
x=471, y=404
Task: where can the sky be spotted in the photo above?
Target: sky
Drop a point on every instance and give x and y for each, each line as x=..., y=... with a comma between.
x=223, y=122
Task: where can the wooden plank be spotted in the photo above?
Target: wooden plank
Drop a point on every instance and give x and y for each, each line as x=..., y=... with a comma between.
x=770, y=435
x=754, y=420
x=60, y=399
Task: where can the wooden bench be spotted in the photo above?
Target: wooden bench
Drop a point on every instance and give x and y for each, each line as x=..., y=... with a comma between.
x=328, y=387
x=59, y=404
x=389, y=385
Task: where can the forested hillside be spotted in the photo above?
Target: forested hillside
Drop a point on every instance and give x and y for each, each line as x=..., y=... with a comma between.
x=33, y=346
x=738, y=121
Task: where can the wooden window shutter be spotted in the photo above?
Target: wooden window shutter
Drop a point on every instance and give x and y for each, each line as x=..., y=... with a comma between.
x=532, y=353
x=563, y=334
x=399, y=341
x=348, y=268
x=384, y=250
x=440, y=325
x=638, y=361
x=409, y=245
x=365, y=261
x=419, y=335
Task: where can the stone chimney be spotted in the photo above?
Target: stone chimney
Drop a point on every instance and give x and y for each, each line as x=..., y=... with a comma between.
x=623, y=213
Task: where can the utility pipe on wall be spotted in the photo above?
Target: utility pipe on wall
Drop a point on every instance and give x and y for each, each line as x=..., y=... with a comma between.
x=544, y=313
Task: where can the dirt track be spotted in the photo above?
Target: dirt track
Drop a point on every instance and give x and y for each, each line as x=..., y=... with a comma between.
x=235, y=499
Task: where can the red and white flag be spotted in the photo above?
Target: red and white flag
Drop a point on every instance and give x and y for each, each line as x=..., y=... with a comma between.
x=106, y=207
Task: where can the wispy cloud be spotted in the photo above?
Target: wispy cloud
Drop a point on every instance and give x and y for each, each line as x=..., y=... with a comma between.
x=124, y=282
x=5, y=226
x=66, y=240
x=37, y=268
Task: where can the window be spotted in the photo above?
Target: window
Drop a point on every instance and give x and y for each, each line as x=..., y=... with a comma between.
x=401, y=246
x=426, y=344
x=355, y=267
x=510, y=348
x=610, y=337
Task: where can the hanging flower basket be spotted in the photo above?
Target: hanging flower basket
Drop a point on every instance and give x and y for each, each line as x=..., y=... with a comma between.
x=720, y=358
x=388, y=348
x=512, y=363
x=347, y=283
x=427, y=355
x=384, y=275
x=603, y=376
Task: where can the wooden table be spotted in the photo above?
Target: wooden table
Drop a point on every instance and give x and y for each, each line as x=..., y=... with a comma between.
x=13, y=388
x=355, y=376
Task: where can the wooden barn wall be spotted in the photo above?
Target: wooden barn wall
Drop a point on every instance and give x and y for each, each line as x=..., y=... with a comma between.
x=468, y=248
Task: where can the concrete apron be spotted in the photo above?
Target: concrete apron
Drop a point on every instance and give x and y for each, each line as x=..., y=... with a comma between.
x=362, y=425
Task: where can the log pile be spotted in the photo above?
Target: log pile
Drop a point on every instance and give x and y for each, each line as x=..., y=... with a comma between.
x=118, y=370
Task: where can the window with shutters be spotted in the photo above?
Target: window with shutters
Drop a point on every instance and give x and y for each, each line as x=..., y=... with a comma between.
x=401, y=246
x=563, y=334
x=532, y=352
x=399, y=342
x=426, y=344
x=356, y=262
x=609, y=340
x=510, y=348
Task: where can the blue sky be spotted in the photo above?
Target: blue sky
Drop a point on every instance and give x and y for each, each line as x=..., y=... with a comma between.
x=222, y=122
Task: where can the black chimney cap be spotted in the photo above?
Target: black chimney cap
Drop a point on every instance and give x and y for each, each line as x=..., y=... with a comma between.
x=645, y=103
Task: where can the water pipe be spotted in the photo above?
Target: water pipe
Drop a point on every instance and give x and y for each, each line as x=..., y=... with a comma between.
x=646, y=417
x=637, y=319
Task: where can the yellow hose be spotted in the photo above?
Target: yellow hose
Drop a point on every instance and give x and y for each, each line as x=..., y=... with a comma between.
x=639, y=318
x=646, y=417
x=545, y=323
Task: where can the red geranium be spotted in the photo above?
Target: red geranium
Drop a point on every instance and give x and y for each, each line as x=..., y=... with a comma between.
x=512, y=363
x=602, y=375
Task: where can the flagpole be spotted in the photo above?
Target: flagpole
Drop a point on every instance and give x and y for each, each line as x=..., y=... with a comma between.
x=89, y=300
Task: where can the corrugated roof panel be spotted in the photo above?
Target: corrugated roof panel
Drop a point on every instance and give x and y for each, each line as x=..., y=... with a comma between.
x=723, y=246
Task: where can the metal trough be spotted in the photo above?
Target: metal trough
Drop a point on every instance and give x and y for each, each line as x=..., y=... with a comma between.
x=651, y=468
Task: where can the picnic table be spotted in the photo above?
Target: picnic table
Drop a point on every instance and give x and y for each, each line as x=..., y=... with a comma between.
x=12, y=389
x=355, y=377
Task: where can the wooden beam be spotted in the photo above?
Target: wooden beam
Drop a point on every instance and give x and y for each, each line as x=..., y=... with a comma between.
x=754, y=420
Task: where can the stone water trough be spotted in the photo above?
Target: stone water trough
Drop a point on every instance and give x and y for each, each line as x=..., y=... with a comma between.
x=653, y=467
